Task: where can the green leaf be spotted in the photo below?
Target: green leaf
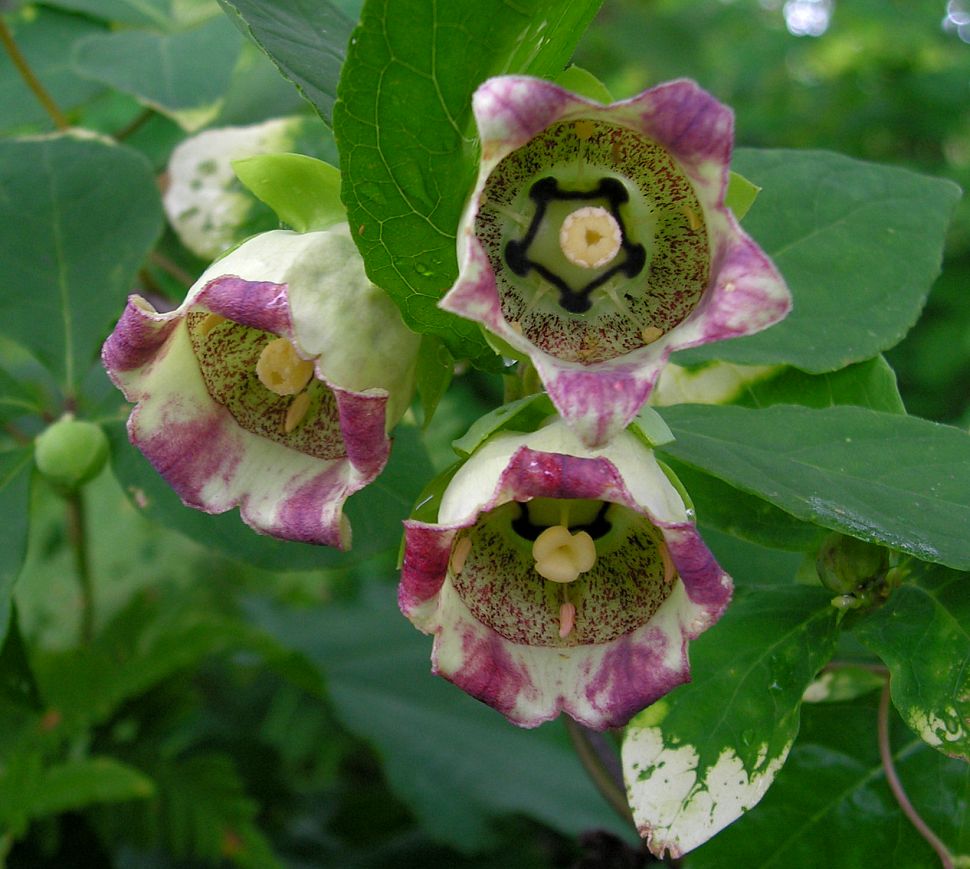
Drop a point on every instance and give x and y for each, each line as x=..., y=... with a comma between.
x=843, y=683
x=73, y=232
x=306, y=41
x=703, y=755
x=831, y=799
x=375, y=513
x=166, y=15
x=741, y=514
x=923, y=634
x=44, y=37
x=890, y=479
x=858, y=243
x=17, y=398
x=17, y=683
x=183, y=75
x=15, y=472
x=869, y=384
x=77, y=784
x=304, y=192
x=457, y=763
x=406, y=182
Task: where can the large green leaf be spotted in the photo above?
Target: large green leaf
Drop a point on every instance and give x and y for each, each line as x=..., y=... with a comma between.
x=891, y=479
x=15, y=467
x=183, y=75
x=858, y=243
x=831, y=806
x=457, y=763
x=923, y=634
x=869, y=384
x=77, y=218
x=166, y=15
x=407, y=143
x=44, y=37
x=306, y=39
x=375, y=513
x=703, y=755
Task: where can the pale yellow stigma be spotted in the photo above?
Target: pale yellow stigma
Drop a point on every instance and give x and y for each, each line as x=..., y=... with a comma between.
x=281, y=370
x=562, y=556
x=590, y=237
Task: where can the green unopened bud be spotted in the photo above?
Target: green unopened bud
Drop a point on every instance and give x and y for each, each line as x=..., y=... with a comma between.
x=71, y=451
x=845, y=564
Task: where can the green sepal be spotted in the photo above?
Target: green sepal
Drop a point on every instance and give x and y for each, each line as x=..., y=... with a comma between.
x=524, y=415
x=741, y=194
x=426, y=507
x=679, y=486
x=650, y=428
x=582, y=82
x=303, y=191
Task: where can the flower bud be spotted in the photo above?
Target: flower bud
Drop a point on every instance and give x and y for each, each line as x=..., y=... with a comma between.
x=70, y=452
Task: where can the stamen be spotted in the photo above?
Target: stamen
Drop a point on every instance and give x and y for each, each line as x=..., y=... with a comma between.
x=567, y=619
x=590, y=237
x=584, y=129
x=693, y=219
x=669, y=570
x=562, y=556
x=459, y=554
x=649, y=334
x=209, y=323
x=296, y=412
x=281, y=370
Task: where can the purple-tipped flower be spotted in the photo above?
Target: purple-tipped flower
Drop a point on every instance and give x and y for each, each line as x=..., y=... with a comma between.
x=272, y=387
x=561, y=578
x=597, y=241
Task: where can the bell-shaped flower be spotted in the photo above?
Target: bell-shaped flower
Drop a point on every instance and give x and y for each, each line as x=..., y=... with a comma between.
x=597, y=241
x=561, y=578
x=273, y=386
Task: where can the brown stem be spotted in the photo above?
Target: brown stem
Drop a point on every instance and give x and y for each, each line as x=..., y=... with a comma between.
x=601, y=764
x=39, y=91
x=77, y=536
x=896, y=786
x=174, y=270
x=140, y=119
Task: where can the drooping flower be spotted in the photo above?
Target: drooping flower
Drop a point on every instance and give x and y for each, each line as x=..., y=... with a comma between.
x=272, y=387
x=596, y=241
x=561, y=578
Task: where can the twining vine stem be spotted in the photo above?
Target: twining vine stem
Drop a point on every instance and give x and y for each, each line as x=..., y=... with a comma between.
x=77, y=536
x=885, y=752
x=601, y=764
x=39, y=91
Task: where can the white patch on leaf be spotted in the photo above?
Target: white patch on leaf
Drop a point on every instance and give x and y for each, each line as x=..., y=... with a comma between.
x=936, y=730
x=675, y=806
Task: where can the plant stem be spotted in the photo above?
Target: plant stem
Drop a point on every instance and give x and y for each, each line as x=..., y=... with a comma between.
x=19, y=61
x=895, y=785
x=601, y=764
x=77, y=536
